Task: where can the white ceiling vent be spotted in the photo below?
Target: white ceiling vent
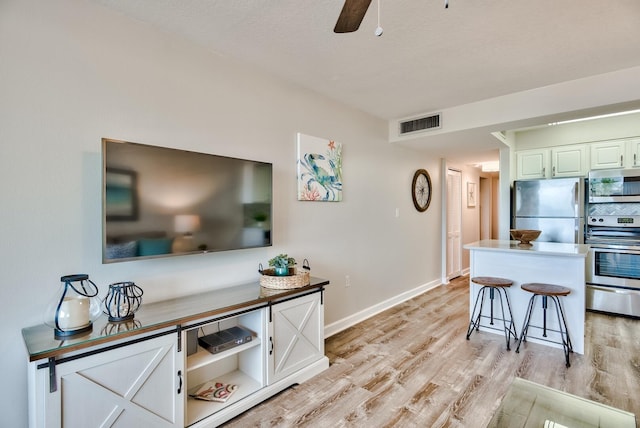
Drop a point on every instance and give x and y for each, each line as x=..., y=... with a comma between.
x=420, y=124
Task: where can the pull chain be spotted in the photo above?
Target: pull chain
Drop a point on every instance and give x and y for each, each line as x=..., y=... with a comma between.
x=379, y=29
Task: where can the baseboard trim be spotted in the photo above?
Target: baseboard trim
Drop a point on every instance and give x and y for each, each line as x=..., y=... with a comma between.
x=343, y=324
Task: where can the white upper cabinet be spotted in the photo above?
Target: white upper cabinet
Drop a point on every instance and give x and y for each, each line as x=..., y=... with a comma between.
x=532, y=163
x=575, y=160
x=569, y=161
x=633, y=150
x=607, y=154
x=615, y=154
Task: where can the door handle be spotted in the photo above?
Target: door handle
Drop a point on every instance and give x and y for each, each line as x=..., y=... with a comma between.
x=614, y=290
x=271, y=345
x=180, y=379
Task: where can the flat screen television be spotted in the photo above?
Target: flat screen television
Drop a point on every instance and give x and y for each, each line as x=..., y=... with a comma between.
x=159, y=202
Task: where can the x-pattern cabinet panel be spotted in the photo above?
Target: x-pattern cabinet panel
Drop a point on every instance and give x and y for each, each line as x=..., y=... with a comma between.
x=134, y=385
x=297, y=334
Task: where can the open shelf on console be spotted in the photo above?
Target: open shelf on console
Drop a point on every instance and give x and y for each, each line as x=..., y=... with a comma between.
x=204, y=357
x=200, y=409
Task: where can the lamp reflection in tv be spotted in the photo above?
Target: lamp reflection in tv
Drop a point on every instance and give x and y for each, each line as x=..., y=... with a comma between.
x=185, y=225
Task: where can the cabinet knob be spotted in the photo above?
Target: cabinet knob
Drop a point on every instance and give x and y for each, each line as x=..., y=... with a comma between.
x=621, y=160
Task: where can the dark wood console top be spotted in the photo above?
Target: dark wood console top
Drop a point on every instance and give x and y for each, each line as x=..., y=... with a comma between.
x=163, y=315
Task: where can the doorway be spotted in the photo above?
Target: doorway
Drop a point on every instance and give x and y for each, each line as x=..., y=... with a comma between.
x=454, y=224
x=489, y=206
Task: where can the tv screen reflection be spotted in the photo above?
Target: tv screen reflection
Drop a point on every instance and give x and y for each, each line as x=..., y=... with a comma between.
x=160, y=202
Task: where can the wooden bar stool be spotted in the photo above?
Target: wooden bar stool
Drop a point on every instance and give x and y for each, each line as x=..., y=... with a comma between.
x=547, y=291
x=493, y=284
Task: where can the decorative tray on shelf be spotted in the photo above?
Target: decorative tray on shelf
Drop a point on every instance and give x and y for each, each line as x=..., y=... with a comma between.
x=295, y=278
x=269, y=279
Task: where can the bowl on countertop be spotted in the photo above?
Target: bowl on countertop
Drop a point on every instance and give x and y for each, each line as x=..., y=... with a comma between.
x=525, y=236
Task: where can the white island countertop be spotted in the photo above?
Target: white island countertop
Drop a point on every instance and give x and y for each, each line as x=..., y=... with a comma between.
x=544, y=262
x=541, y=248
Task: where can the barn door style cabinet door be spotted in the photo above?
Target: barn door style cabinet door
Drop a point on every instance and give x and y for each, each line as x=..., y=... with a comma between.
x=297, y=335
x=134, y=385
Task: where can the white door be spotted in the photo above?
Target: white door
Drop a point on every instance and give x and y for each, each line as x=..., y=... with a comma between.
x=454, y=223
x=485, y=208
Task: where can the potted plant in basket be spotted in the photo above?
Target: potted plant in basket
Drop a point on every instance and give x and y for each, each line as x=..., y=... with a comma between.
x=281, y=264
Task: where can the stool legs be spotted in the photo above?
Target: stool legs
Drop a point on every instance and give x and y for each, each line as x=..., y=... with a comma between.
x=566, y=341
x=567, y=347
x=474, y=323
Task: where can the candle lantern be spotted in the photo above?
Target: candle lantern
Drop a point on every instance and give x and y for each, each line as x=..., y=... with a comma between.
x=122, y=301
x=74, y=307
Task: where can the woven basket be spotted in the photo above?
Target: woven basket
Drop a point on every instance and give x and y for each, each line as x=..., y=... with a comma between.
x=269, y=279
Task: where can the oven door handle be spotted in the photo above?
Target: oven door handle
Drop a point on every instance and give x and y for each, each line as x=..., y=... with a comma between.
x=613, y=290
x=613, y=249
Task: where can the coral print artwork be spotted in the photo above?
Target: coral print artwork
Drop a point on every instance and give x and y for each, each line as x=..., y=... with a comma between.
x=319, y=169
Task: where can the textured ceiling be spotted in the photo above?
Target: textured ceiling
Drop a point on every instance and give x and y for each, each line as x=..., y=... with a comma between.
x=429, y=58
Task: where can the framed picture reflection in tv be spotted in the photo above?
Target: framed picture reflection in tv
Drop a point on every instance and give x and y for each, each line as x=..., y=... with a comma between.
x=121, y=195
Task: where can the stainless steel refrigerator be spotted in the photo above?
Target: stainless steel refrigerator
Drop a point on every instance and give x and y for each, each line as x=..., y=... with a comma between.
x=554, y=206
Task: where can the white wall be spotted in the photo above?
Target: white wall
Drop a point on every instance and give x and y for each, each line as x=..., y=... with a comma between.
x=72, y=72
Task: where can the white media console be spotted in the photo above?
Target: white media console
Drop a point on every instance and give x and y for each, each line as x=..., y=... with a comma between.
x=142, y=372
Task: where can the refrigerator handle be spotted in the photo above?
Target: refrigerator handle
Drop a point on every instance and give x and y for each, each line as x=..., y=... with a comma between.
x=576, y=198
x=580, y=226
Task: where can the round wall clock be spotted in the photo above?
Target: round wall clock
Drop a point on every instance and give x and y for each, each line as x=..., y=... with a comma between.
x=421, y=190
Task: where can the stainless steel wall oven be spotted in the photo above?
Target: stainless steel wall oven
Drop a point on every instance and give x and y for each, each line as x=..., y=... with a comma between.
x=613, y=232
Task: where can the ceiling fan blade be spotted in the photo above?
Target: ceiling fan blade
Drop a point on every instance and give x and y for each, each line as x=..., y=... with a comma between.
x=351, y=16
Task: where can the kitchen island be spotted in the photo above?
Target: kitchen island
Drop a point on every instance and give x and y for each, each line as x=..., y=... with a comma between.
x=547, y=262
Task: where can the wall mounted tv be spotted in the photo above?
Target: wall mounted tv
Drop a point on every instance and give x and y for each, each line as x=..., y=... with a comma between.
x=159, y=202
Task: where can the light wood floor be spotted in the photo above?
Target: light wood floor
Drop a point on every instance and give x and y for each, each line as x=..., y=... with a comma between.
x=411, y=366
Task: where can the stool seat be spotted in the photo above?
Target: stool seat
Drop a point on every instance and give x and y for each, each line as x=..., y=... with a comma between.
x=492, y=281
x=546, y=289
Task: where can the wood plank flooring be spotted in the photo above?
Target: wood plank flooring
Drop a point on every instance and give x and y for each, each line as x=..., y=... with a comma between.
x=411, y=366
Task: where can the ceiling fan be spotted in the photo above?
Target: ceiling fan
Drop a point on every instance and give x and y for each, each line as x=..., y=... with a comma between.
x=352, y=14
